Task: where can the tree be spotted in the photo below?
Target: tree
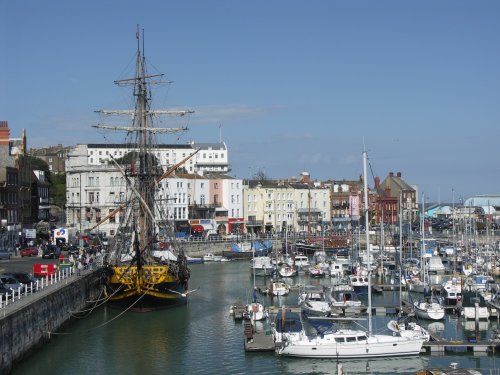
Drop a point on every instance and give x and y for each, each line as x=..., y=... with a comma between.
x=37, y=164
x=57, y=192
x=260, y=176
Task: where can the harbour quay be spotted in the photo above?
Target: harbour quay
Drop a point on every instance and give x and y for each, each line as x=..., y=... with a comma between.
x=33, y=318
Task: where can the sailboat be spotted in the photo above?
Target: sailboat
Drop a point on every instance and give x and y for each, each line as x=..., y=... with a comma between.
x=255, y=310
x=342, y=343
x=140, y=276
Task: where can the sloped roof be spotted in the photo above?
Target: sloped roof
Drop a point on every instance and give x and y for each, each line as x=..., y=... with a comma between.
x=483, y=200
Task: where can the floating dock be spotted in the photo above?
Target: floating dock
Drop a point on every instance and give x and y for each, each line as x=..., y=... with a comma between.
x=262, y=340
x=479, y=347
x=257, y=341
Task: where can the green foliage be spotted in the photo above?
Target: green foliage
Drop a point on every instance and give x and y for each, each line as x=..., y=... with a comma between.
x=133, y=156
x=37, y=164
x=126, y=159
x=57, y=192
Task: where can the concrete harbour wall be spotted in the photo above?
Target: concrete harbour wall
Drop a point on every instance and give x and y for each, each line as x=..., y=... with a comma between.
x=198, y=249
x=29, y=323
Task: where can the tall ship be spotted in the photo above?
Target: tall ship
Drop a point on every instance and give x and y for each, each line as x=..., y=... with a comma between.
x=140, y=274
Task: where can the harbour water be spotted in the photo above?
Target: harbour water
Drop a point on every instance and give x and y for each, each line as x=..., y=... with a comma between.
x=202, y=337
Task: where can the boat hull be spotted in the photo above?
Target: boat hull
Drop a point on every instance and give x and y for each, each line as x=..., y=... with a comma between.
x=147, y=303
x=376, y=346
x=152, y=288
x=430, y=314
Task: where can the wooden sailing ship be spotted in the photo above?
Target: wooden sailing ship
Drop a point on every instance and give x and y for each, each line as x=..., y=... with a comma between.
x=140, y=276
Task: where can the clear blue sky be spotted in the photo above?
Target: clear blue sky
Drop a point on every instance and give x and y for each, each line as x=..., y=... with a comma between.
x=296, y=85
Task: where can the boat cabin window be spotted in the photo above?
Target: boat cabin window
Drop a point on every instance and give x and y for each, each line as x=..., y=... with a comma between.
x=351, y=339
x=339, y=339
x=362, y=338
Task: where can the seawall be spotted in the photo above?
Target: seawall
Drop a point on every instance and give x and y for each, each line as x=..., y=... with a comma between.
x=28, y=323
x=198, y=249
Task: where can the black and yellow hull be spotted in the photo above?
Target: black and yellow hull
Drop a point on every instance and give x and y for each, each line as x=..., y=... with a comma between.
x=150, y=288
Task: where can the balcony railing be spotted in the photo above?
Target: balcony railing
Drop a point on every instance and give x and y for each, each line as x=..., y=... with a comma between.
x=254, y=223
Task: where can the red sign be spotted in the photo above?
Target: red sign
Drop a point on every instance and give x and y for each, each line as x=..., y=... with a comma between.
x=42, y=270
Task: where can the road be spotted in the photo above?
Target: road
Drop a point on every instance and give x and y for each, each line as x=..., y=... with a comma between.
x=18, y=264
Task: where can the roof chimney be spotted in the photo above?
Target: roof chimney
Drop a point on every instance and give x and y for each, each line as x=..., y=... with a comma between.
x=377, y=182
x=398, y=174
x=4, y=133
x=391, y=174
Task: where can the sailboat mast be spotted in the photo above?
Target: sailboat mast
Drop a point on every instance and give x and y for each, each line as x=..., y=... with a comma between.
x=367, y=234
x=309, y=216
x=400, y=252
x=422, y=229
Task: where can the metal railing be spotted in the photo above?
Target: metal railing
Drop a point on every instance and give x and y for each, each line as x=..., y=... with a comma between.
x=48, y=281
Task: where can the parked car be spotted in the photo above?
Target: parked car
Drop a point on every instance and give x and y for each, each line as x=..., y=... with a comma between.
x=24, y=278
x=52, y=251
x=29, y=252
x=4, y=290
x=10, y=282
x=5, y=254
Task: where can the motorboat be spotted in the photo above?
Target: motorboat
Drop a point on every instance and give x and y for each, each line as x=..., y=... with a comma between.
x=359, y=283
x=256, y=311
x=314, y=302
x=346, y=302
x=429, y=308
x=435, y=265
x=262, y=266
x=407, y=327
x=451, y=290
x=316, y=271
x=208, y=257
x=301, y=262
x=286, y=270
x=278, y=288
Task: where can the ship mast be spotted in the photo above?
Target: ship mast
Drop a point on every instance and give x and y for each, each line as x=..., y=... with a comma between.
x=145, y=169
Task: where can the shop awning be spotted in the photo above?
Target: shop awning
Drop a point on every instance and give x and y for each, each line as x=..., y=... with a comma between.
x=197, y=228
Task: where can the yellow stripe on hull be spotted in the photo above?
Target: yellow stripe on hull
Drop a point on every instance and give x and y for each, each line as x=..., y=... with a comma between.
x=147, y=280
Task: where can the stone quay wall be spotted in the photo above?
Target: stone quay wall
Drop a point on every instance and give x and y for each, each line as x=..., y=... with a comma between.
x=198, y=249
x=30, y=322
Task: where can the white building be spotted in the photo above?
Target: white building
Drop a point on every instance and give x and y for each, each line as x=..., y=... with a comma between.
x=95, y=186
x=211, y=157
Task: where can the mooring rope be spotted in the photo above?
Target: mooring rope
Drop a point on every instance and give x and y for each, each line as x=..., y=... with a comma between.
x=100, y=325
